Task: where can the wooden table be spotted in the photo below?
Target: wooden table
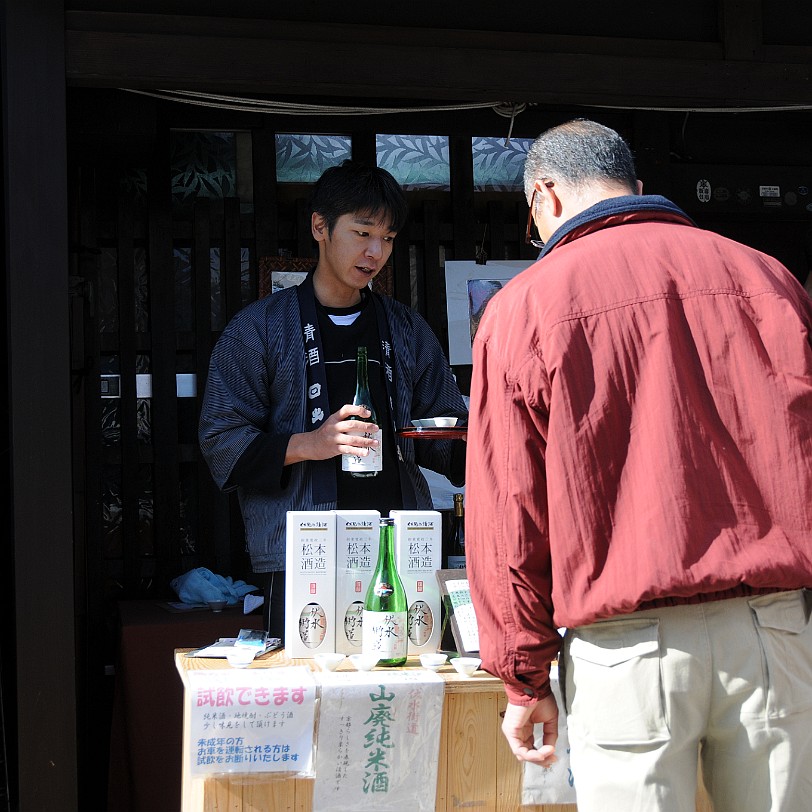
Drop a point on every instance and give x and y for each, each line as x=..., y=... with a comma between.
x=476, y=770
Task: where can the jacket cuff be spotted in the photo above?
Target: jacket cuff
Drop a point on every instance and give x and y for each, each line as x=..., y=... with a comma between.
x=519, y=693
x=262, y=465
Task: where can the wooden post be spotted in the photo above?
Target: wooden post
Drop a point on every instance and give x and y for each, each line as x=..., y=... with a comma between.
x=37, y=560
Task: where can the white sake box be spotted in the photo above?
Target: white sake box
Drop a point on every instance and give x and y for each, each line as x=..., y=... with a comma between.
x=418, y=551
x=357, y=541
x=310, y=580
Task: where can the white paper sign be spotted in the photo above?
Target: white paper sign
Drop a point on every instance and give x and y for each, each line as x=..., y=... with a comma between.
x=551, y=785
x=252, y=720
x=378, y=741
x=459, y=593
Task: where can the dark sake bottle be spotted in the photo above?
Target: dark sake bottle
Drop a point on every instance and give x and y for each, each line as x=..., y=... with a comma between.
x=455, y=545
x=384, y=630
x=372, y=463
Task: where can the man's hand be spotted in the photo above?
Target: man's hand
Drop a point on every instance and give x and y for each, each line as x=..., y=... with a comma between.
x=332, y=437
x=518, y=729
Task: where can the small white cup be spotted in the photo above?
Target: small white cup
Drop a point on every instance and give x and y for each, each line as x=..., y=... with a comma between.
x=328, y=660
x=240, y=657
x=435, y=422
x=466, y=665
x=433, y=661
x=364, y=662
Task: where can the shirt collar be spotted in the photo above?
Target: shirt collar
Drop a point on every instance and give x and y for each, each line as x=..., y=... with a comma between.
x=616, y=211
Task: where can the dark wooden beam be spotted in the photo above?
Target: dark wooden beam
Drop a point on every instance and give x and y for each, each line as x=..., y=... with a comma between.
x=38, y=600
x=241, y=56
x=652, y=151
x=265, y=192
x=164, y=407
x=740, y=26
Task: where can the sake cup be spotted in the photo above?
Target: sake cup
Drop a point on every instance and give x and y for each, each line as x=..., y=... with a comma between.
x=435, y=422
x=466, y=666
x=328, y=660
x=240, y=656
x=217, y=606
x=432, y=661
x=364, y=662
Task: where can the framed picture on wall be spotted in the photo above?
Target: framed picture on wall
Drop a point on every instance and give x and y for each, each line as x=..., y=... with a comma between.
x=468, y=289
x=277, y=273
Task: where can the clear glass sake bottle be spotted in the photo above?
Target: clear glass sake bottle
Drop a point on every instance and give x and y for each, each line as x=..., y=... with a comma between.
x=384, y=628
x=371, y=464
x=456, y=536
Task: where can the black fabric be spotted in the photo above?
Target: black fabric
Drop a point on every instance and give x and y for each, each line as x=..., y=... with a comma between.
x=456, y=474
x=323, y=485
x=341, y=342
x=261, y=465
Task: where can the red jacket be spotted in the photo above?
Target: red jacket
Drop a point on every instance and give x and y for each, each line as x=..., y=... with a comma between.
x=640, y=432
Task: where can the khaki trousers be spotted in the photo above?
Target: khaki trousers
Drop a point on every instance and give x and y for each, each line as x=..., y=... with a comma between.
x=729, y=681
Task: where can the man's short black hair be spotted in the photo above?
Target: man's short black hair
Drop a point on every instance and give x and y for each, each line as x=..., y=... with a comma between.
x=353, y=187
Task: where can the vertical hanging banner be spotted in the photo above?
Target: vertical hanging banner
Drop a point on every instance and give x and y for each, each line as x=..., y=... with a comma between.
x=252, y=720
x=378, y=741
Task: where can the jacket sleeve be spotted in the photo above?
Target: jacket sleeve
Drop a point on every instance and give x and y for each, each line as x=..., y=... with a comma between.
x=507, y=537
x=233, y=419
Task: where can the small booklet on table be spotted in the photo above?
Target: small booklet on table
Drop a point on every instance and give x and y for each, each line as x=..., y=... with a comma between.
x=255, y=639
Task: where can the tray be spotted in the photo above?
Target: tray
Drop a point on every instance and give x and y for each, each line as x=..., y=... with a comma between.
x=434, y=432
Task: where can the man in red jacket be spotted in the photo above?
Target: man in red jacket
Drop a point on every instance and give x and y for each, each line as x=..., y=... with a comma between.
x=640, y=473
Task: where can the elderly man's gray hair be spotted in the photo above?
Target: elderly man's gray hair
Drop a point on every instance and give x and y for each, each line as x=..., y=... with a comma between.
x=580, y=152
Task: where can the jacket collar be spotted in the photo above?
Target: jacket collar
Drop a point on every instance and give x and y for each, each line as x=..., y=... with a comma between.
x=616, y=211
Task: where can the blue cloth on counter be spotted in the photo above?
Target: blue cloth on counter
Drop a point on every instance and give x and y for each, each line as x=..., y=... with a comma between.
x=200, y=585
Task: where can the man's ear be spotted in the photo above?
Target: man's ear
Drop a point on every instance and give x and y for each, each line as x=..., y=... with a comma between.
x=318, y=227
x=547, y=194
x=639, y=187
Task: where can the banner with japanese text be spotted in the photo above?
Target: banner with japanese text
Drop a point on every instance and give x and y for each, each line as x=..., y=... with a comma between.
x=252, y=720
x=378, y=741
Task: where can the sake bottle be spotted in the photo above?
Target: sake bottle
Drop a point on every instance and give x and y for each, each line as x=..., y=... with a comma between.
x=372, y=463
x=384, y=629
x=456, y=536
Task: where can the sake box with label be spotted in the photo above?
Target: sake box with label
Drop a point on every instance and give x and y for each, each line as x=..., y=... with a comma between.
x=357, y=537
x=418, y=551
x=310, y=581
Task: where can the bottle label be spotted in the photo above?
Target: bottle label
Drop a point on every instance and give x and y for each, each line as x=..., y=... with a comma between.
x=312, y=625
x=373, y=461
x=353, y=620
x=385, y=634
x=421, y=623
x=456, y=562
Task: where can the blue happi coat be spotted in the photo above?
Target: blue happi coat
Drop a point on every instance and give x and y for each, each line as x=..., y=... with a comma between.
x=257, y=384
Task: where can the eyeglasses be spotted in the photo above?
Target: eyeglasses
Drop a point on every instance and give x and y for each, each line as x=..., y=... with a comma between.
x=528, y=236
